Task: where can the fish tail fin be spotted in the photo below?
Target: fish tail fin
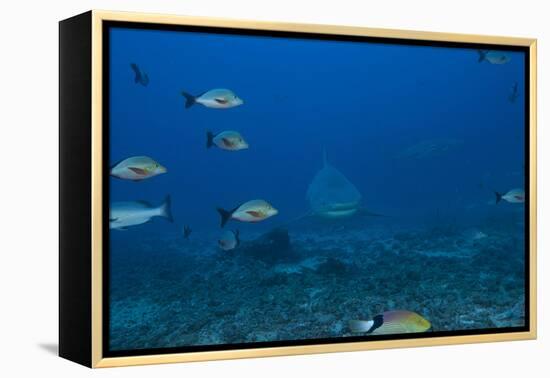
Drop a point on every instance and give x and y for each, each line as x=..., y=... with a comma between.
x=189, y=99
x=482, y=55
x=225, y=215
x=166, y=209
x=360, y=326
x=498, y=197
x=209, y=139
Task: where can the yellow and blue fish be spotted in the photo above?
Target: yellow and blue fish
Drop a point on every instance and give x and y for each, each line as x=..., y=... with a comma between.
x=391, y=322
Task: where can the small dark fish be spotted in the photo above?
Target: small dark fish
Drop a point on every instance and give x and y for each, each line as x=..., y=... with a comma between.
x=186, y=232
x=513, y=96
x=141, y=77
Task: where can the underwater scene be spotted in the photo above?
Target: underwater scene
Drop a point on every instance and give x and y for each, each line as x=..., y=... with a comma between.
x=284, y=188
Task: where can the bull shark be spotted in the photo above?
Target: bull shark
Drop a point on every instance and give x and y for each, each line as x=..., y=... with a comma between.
x=331, y=195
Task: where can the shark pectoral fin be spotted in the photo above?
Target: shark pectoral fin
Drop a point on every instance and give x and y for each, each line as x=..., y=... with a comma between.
x=145, y=203
x=299, y=218
x=367, y=213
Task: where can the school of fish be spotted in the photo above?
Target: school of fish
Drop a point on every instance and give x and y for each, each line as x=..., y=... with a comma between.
x=124, y=215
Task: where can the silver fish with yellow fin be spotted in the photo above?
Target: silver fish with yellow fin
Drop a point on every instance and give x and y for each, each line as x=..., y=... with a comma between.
x=214, y=98
x=391, y=322
x=251, y=211
x=226, y=140
x=137, y=168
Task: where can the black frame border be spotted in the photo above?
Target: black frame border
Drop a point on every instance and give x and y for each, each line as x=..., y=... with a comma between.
x=108, y=25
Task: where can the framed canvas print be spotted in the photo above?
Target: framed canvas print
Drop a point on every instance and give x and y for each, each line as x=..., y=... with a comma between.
x=235, y=189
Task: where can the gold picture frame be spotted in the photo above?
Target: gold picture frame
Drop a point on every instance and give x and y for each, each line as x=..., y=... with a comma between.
x=93, y=23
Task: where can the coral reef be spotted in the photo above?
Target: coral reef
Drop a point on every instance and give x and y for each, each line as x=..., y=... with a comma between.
x=271, y=247
x=167, y=292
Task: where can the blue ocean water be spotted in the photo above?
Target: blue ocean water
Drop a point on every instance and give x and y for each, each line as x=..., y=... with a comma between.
x=426, y=135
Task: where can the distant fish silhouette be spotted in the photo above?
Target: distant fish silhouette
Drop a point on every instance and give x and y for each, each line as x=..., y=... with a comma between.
x=513, y=96
x=141, y=77
x=493, y=57
x=513, y=196
x=186, y=232
x=429, y=149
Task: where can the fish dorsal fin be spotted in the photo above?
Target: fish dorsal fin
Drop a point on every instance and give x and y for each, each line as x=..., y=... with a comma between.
x=144, y=203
